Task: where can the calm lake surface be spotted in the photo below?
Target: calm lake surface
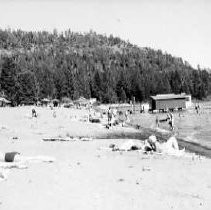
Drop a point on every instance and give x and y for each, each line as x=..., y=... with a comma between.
x=189, y=125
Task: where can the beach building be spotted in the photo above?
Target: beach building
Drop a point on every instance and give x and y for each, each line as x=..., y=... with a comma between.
x=27, y=103
x=67, y=102
x=82, y=102
x=164, y=102
x=45, y=102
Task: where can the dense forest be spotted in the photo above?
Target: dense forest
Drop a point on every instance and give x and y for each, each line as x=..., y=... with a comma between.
x=35, y=65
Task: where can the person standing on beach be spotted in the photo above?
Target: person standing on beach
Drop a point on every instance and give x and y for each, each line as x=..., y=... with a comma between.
x=157, y=122
x=197, y=110
x=109, y=116
x=34, y=113
x=126, y=116
x=171, y=120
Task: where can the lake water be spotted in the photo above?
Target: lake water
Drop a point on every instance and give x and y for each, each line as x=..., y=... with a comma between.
x=190, y=126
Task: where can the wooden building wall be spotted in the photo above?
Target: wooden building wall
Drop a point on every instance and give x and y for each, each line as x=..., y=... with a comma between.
x=168, y=104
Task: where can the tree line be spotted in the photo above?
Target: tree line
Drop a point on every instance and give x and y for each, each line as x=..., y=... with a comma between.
x=36, y=65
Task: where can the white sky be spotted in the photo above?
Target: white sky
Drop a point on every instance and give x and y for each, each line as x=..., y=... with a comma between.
x=179, y=27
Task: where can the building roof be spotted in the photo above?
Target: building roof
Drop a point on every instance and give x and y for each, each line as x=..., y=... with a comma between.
x=169, y=96
x=45, y=100
x=82, y=100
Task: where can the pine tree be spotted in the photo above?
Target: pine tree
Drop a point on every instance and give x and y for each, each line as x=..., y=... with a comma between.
x=8, y=79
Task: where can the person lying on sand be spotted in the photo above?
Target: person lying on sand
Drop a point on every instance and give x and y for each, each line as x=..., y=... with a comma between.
x=151, y=145
x=126, y=146
x=168, y=147
x=16, y=160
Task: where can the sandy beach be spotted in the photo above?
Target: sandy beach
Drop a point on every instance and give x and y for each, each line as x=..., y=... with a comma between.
x=87, y=174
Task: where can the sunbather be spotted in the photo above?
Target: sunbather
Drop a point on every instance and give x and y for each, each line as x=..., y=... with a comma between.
x=169, y=147
x=126, y=146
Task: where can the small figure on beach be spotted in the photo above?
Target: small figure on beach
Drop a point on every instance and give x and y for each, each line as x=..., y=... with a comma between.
x=54, y=114
x=114, y=112
x=126, y=116
x=197, y=108
x=123, y=117
x=111, y=118
x=157, y=122
x=142, y=108
x=34, y=113
x=126, y=146
x=109, y=113
x=171, y=120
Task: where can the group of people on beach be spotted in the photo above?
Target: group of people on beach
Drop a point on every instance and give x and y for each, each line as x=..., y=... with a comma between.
x=15, y=160
x=112, y=117
x=169, y=119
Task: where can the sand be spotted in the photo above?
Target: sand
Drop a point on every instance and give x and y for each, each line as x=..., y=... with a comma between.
x=87, y=175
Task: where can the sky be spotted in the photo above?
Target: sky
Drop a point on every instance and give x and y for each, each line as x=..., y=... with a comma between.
x=179, y=27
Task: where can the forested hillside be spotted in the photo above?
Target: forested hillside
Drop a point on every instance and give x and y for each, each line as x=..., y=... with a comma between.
x=35, y=65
